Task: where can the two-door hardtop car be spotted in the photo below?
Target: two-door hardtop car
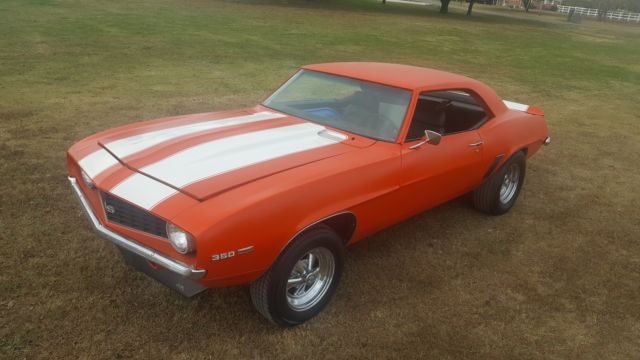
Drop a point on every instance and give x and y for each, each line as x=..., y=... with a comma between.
x=272, y=195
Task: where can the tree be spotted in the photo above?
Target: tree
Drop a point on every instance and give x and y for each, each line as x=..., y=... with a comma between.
x=527, y=4
x=471, y=2
x=444, y=6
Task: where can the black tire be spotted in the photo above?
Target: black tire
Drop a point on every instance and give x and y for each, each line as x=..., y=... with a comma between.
x=487, y=198
x=270, y=294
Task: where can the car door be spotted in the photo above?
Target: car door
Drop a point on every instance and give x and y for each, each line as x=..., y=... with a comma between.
x=432, y=174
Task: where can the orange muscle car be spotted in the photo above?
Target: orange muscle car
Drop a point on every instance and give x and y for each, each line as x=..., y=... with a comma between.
x=272, y=195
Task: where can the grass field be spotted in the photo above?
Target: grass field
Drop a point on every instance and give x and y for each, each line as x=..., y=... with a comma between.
x=558, y=277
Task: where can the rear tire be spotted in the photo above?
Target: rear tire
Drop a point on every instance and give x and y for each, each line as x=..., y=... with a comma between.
x=302, y=280
x=499, y=192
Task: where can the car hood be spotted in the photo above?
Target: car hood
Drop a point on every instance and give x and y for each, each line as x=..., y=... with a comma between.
x=207, y=154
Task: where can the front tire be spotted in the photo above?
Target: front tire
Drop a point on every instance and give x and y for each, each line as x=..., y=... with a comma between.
x=499, y=192
x=302, y=280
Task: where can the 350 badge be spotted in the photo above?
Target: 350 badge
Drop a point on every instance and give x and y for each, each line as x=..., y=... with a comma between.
x=230, y=254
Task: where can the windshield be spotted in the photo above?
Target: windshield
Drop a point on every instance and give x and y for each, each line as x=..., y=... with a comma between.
x=357, y=106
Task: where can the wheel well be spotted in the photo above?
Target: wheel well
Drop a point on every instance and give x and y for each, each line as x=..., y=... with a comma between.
x=498, y=160
x=344, y=224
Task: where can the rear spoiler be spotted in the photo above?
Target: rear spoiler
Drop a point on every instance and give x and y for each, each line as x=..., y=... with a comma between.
x=533, y=110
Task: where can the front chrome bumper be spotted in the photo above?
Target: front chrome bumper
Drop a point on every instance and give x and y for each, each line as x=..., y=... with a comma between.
x=130, y=245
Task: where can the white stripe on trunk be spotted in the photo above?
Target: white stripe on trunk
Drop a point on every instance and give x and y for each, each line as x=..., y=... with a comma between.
x=515, y=106
x=220, y=156
x=100, y=160
x=97, y=162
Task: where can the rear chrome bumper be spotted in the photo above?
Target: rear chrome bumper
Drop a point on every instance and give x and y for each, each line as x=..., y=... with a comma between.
x=130, y=245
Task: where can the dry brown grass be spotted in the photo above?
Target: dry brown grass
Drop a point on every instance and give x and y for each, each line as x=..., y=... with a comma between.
x=557, y=277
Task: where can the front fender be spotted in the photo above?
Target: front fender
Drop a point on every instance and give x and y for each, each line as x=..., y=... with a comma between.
x=266, y=214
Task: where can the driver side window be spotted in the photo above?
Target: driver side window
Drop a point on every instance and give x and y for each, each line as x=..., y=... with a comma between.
x=445, y=112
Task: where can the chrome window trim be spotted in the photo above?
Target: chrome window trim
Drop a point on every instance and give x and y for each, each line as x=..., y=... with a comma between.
x=143, y=251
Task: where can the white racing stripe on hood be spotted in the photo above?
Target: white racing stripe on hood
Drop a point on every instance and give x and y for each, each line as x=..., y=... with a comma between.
x=220, y=156
x=134, y=144
x=100, y=160
x=142, y=191
x=97, y=162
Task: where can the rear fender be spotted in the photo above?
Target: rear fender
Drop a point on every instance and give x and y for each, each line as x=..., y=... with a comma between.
x=509, y=134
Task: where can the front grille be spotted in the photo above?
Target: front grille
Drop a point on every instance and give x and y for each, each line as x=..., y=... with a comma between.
x=122, y=213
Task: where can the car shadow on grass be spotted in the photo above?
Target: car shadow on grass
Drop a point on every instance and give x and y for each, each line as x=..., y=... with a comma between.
x=403, y=252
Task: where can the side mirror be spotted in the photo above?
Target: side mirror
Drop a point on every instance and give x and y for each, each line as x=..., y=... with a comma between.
x=430, y=137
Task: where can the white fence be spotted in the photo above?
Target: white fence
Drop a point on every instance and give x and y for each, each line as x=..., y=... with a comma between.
x=612, y=15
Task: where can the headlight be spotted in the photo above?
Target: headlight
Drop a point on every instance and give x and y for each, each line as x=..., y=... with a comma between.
x=181, y=241
x=87, y=180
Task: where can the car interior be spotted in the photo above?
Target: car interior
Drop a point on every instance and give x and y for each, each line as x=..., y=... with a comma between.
x=445, y=112
x=368, y=113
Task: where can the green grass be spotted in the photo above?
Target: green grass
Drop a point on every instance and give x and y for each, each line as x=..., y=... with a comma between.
x=557, y=277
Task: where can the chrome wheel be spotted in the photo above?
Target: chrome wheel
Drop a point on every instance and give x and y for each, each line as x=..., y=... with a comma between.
x=510, y=183
x=310, y=279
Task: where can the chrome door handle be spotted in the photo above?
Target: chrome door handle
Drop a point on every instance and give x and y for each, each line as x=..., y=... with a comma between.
x=478, y=143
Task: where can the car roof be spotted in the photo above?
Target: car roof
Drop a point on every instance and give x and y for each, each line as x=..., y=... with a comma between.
x=403, y=76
